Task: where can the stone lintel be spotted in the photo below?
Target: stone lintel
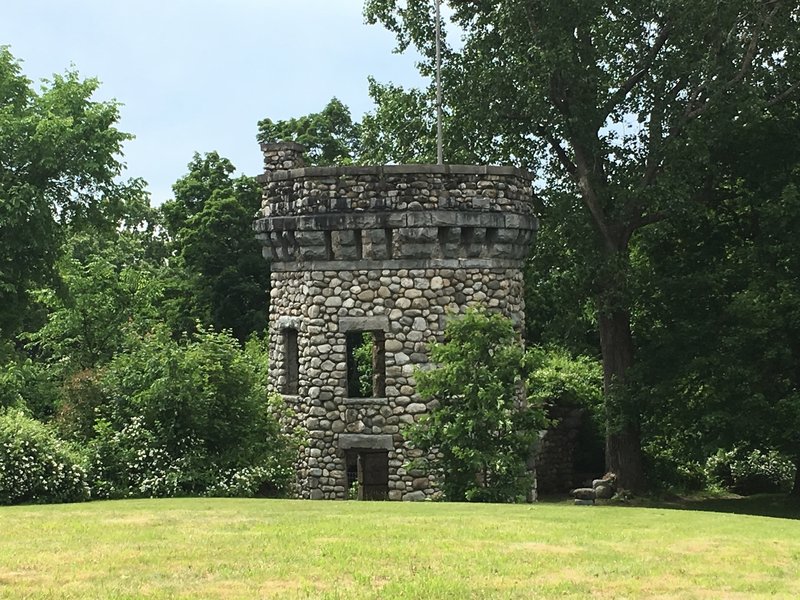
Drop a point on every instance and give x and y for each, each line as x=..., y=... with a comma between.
x=348, y=441
x=364, y=401
x=288, y=323
x=376, y=323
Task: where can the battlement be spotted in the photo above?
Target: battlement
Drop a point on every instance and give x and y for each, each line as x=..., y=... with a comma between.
x=433, y=213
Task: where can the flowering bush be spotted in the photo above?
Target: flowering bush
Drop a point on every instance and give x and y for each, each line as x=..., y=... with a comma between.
x=133, y=463
x=35, y=466
x=750, y=472
x=188, y=417
x=268, y=479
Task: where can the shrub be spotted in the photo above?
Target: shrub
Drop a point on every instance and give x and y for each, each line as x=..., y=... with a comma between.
x=133, y=463
x=35, y=466
x=482, y=431
x=561, y=379
x=177, y=414
x=750, y=472
x=668, y=469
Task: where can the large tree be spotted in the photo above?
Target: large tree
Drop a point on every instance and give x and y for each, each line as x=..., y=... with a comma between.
x=59, y=163
x=219, y=277
x=615, y=101
x=718, y=324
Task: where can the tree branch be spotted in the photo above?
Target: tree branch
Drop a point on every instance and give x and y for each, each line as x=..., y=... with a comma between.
x=640, y=70
x=783, y=95
x=741, y=73
x=559, y=150
x=590, y=199
x=648, y=219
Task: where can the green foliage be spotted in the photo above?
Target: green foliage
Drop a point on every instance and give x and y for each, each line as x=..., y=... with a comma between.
x=29, y=386
x=330, y=136
x=184, y=417
x=218, y=277
x=481, y=427
x=750, y=472
x=558, y=378
x=105, y=289
x=35, y=466
x=363, y=360
x=59, y=164
x=718, y=322
x=401, y=129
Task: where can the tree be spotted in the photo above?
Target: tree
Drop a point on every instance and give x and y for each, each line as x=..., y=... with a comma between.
x=218, y=275
x=330, y=136
x=481, y=427
x=718, y=323
x=104, y=289
x=59, y=160
x=616, y=100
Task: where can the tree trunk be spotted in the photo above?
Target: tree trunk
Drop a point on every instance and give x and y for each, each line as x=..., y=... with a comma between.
x=623, y=439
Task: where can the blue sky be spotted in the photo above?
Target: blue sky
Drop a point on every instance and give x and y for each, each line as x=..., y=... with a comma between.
x=198, y=75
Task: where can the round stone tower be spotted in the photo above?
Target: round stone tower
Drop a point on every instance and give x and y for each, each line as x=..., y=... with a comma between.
x=368, y=263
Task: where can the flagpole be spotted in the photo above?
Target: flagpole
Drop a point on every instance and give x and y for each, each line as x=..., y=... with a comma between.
x=439, y=150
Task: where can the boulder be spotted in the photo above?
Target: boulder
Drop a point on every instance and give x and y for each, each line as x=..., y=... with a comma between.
x=583, y=494
x=603, y=492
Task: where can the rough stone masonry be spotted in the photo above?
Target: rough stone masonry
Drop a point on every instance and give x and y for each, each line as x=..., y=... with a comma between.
x=392, y=252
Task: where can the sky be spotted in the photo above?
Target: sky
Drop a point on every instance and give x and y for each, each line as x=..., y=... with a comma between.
x=197, y=75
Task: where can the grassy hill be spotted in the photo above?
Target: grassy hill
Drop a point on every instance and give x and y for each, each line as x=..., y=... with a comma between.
x=217, y=548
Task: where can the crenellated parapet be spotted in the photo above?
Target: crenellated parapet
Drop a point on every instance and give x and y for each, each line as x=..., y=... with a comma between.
x=439, y=214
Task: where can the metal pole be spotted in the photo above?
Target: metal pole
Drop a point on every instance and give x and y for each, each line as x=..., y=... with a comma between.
x=439, y=151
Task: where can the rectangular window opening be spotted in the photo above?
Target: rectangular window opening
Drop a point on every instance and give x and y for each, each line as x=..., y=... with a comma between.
x=366, y=364
x=291, y=363
x=328, y=246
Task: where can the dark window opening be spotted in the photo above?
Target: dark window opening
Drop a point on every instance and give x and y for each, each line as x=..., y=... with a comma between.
x=291, y=362
x=328, y=245
x=366, y=364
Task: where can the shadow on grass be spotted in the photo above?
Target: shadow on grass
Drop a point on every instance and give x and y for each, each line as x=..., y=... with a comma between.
x=780, y=506
x=763, y=505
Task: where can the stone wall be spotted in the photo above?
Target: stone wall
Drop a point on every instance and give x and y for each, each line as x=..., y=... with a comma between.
x=395, y=250
x=411, y=306
x=555, y=462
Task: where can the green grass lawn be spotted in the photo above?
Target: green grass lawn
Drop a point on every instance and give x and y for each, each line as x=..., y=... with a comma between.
x=204, y=548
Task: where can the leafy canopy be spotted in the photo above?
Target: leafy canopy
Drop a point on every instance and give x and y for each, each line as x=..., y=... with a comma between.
x=59, y=163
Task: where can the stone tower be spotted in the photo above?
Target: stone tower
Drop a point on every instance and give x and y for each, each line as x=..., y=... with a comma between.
x=384, y=254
